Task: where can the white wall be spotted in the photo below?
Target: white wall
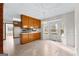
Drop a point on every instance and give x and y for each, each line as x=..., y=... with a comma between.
x=77, y=30
x=17, y=31
x=45, y=25
x=69, y=29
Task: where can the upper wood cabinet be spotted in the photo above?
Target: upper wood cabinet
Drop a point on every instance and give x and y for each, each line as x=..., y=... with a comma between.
x=25, y=21
x=36, y=23
x=29, y=22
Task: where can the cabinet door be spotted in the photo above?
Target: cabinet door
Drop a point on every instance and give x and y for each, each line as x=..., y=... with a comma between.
x=31, y=37
x=24, y=38
x=25, y=21
x=39, y=23
x=36, y=23
x=30, y=22
x=36, y=36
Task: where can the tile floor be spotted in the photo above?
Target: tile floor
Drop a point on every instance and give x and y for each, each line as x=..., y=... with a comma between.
x=41, y=48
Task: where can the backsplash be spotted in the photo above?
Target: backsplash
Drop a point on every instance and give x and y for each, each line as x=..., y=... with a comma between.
x=29, y=30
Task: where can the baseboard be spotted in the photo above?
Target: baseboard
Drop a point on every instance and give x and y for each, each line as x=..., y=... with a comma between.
x=3, y=54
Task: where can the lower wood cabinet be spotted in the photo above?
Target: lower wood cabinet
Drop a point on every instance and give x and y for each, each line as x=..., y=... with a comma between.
x=24, y=38
x=36, y=36
x=28, y=37
x=31, y=37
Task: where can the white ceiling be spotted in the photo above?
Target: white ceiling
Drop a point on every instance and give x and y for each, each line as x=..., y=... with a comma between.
x=38, y=10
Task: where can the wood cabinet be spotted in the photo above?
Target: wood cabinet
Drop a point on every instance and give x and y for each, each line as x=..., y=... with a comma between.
x=24, y=38
x=36, y=36
x=30, y=22
x=28, y=37
x=36, y=23
x=25, y=21
x=1, y=28
x=31, y=37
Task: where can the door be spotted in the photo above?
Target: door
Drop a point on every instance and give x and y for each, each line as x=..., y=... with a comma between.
x=1, y=28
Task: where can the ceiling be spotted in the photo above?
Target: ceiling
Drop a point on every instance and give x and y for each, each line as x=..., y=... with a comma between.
x=38, y=10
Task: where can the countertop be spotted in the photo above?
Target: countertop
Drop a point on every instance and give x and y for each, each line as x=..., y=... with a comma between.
x=30, y=32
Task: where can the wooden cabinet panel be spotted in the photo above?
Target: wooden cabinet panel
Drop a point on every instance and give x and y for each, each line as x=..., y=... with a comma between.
x=24, y=38
x=36, y=36
x=25, y=21
x=39, y=23
x=36, y=23
x=29, y=22
x=31, y=37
